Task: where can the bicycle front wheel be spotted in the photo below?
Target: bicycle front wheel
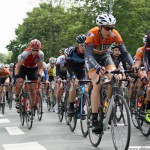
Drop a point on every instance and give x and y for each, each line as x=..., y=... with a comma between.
x=144, y=126
x=84, y=116
x=39, y=107
x=120, y=130
x=21, y=109
x=29, y=112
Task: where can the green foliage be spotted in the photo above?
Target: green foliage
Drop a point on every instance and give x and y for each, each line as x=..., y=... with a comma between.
x=58, y=26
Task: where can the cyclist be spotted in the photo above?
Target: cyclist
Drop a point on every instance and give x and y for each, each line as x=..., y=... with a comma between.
x=75, y=64
x=97, y=57
x=4, y=79
x=138, y=62
x=61, y=73
x=45, y=76
x=30, y=63
x=50, y=68
x=146, y=59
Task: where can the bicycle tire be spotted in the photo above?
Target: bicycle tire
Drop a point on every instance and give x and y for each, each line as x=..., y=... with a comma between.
x=60, y=110
x=29, y=111
x=10, y=99
x=118, y=109
x=48, y=103
x=21, y=109
x=144, y=126
x=66, y=107
x=125, y=121
x=95, y=139
x=134, y=110
x=3, y=103
x=72, y=122
x=84, y=116
x=39, y=106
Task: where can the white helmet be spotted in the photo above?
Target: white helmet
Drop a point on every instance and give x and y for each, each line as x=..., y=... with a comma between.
x=105, y=19
x=52, y=60
x=144, y=38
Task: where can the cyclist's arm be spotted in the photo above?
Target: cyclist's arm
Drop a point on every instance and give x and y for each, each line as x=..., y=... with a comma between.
x=89, y=58
x=40, y=67
x=46, y=75
x=57, y=70
x=70, y=67
x=18, y=65
x=125, y=55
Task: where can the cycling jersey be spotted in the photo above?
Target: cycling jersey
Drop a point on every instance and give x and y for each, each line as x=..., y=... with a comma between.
x=4, y=73
x=61, y=70
x=95, y=41
x=139, y=54
x=29, y=60
x=75, y=62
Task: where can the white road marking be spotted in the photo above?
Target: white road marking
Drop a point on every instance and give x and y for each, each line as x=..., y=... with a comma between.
x=14, y=131
x=4, y=121
x=1, y=115
x=24, y=146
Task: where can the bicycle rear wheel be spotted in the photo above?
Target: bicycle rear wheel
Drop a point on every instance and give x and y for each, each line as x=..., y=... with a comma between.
x=121, y=130
x=84, y=116
x=39, y=106
x=72, y=122
x=29, y=112
x=95, y=138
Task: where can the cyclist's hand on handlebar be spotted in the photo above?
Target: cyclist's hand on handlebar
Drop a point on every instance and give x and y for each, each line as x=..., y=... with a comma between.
x=47, y=82
x=100, y=70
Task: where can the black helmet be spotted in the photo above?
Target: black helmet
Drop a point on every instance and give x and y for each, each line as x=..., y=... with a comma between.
x=113, y=46
x=80, y=38
x=148, y=38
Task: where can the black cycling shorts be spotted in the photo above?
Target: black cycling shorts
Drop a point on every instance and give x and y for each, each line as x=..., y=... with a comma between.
x=32, y=73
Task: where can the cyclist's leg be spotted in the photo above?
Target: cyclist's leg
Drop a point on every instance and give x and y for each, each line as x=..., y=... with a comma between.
x=58, y=95
x=1, y=88
x=7, y=81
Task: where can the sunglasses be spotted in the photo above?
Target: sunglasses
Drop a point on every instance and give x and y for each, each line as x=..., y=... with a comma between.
x=81, y=45
x=35, y=50
x=108, y=28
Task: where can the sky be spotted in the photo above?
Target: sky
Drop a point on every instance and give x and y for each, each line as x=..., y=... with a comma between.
x=12, y=13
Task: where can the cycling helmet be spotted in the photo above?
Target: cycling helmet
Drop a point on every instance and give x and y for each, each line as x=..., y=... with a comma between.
x=6, y=65
x=105, y=19
x=52, y=60
x=80, y=38
x=148, y=38
x=11, y=65
x=113, y=46
x=144, y=38
x=35, y=44
x=62, y=50
x=1, y=66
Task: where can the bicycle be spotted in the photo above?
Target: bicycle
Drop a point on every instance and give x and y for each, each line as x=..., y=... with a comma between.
x=81, y=109
x=25, y=105
x=107, y=115
x=50, y=96
x=140, y=112
x=10, y=95
x=39, y=102
x=63, y=103
x=3, y=98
